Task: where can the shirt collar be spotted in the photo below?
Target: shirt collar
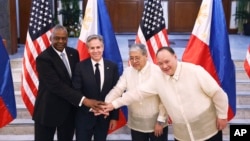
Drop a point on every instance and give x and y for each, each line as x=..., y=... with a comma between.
x=177, y=72
x=58, y=52
x=145, y=67
x=100, y=62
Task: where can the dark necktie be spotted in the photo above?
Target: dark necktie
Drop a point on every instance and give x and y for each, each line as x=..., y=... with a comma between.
x=66, y=63
x=97, y=76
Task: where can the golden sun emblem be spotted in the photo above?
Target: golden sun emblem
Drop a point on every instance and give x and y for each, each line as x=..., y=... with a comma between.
x=202, y=14
x=202, y=19
x=88, y=18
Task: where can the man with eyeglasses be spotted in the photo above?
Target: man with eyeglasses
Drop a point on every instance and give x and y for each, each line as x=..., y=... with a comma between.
x=147, y=117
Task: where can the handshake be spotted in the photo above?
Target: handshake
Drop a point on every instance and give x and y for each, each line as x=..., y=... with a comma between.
x=98, y=107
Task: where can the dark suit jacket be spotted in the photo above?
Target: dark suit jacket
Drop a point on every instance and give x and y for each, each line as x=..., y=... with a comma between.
x=84, y=81
x=56, y=97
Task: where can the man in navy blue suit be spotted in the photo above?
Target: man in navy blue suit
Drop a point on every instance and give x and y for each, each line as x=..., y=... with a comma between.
x=94, y=78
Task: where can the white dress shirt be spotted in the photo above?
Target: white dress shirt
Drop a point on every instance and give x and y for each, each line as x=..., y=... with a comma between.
x=142, y=115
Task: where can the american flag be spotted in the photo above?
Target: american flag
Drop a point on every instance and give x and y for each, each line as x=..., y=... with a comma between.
x=36, y=41
x=152, y=30
x=247, y=62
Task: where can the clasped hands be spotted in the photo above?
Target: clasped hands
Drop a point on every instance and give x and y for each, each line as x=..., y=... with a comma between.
x=98, y=107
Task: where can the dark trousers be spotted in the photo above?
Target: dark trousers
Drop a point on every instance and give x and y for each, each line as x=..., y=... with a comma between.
x=65, y=132
x=88, y=126
x=140, y=136
x=216, y=137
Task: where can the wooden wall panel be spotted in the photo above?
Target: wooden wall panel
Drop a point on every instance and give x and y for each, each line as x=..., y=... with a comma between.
x=182, y=15
x=125, y=14
x=24, y=15
x=13, y=28
x=111, y=10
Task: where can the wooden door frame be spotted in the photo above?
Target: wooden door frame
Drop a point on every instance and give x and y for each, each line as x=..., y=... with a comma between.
x=12, y=45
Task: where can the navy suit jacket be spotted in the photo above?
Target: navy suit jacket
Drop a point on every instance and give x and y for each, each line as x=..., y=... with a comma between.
x=84, y=81
x=56, y=97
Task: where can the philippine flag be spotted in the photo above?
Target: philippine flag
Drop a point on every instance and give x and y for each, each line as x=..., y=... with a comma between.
x=7, y=95
x=96, y=21
x=247, y=62
x=209, y=47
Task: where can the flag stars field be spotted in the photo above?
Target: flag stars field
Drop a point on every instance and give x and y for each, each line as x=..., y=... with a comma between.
x=152, y=30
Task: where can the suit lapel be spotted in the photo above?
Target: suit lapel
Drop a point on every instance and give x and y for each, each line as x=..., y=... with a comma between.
x=106, y=75
x=58, y=62
x=70, y=58
x=90, y=70
x=56, y=58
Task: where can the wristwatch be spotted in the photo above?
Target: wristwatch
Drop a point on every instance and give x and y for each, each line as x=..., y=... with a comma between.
x=160, y=123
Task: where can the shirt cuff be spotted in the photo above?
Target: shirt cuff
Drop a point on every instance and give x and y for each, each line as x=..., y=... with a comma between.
x=80, y=104
x=161, y=119
x=115, y=104
x=222, y=116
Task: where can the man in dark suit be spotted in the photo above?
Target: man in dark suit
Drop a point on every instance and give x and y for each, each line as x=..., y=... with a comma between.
x=56, y=100
x=94, y=77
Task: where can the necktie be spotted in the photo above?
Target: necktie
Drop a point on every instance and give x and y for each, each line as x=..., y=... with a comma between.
x=97, y=75
x=66, y=63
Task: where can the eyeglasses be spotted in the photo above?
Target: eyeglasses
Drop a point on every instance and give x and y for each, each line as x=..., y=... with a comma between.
x=134, y=59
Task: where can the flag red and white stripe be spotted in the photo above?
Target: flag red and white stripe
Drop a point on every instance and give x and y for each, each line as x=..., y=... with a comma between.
x=152, y=30
x=247, y=62
x=37, y=40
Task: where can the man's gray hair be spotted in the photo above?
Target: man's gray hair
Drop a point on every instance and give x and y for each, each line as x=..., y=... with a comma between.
x=94, y=36
x=58, y=27
x=138, y=47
